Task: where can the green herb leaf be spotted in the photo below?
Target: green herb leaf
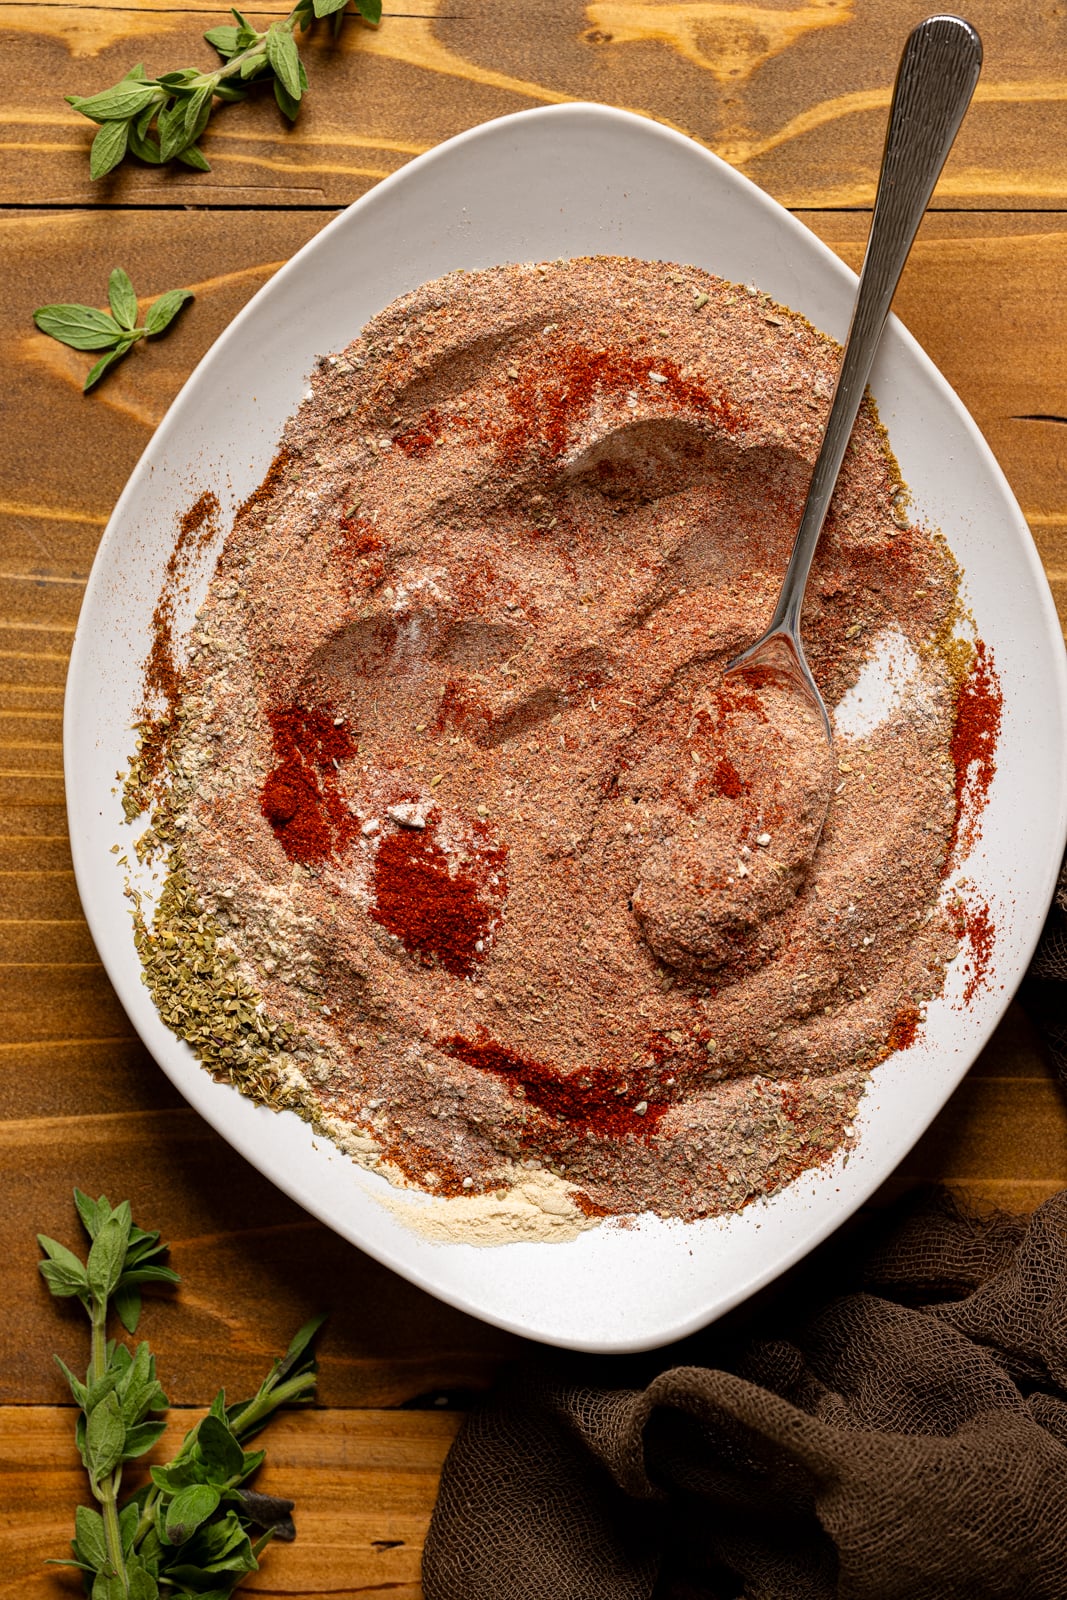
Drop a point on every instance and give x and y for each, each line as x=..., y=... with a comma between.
x=299, y=1345
x=108, y=1253
x=286, y=104
x=224, y=40
x=160, y=315
x=197, y=112
x=326, y=8
x=142, y=1583
x=284, y=57
x=90, y=1542
x=194, y=157
x=140, y=1438
x=189, y=1508
x=127, y=1297
x=93, y=1213
x=96, y=372
x=108, y=148
x=217, y=1547
x=108, y=1586
x=82, y=327
x=187, y=1529
x=370, y=10
x=77, y=1388
x=105, y=1435
x=219, y=1451
x=63, y=1272
x=118, y=104
x=144, y=147
x=142, y=1245
x=129, y=1518
x=104, y=1385
x=178, y=1474
x=170, y=126
x=180, y=82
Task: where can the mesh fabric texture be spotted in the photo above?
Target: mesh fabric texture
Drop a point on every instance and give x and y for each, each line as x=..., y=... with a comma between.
x=891, y=1424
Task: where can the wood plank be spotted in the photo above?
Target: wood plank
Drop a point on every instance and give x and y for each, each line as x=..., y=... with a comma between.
x=794, y=97
x=983, y=296
x=364, y=1483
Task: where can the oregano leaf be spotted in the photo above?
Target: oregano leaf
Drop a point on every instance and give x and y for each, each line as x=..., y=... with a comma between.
x=105, y=1434
x=127, y=1297
x=90, y=1539
x=223, y=39
x=189, y=1508
x=123, y=302
x=193, y=156
x=284, y=57
x=108, y=148
x=118, y=104
x=96, y=372
x=219, y=1451
x=83, y=328
x=108, y=1253
x=93, y=1213
x=160, y=315
x=286, y=104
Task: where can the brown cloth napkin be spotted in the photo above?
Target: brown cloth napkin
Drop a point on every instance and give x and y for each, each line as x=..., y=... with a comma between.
x=889, y=1421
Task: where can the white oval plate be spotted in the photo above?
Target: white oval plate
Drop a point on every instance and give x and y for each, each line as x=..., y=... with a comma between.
x=567, y=181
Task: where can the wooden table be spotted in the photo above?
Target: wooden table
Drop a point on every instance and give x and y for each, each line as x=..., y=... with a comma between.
x=795, y=98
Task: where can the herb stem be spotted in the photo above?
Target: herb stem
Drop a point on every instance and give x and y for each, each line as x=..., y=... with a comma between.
x=259, y=48
x=107, y=1489
x=256, y=1412
x=98, y=1343
x=109, y=1505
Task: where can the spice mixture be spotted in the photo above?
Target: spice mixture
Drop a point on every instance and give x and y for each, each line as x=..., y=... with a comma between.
x=475, y=857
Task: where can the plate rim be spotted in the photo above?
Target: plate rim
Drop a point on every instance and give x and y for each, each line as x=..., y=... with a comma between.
x=292, y=1184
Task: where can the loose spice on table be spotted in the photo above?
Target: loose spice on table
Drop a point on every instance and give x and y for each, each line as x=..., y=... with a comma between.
x=537, y=898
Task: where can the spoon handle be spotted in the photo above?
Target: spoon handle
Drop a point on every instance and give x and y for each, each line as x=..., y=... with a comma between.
x=938, y=71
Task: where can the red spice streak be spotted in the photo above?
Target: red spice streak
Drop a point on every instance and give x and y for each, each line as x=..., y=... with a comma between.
x=438, y=913
x=420, y=438
x=904, y=1027
x=975, y=924
x=979, y=707
x=162, y=676
x=358, y=535
x=262, y=496
x=301, y=799
x=463, y=708
x=588, y=1100
x=727, y=779
x=547, y=399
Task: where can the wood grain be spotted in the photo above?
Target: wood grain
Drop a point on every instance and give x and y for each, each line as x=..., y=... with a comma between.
x=364, y=1483
x=795, y=96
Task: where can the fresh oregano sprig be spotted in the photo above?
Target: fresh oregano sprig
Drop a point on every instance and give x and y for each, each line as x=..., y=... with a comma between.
x=114, y=332
x=162, y=119
x=193, y=1529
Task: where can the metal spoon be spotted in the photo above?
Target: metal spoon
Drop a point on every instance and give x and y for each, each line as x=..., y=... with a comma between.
x=938, y=70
